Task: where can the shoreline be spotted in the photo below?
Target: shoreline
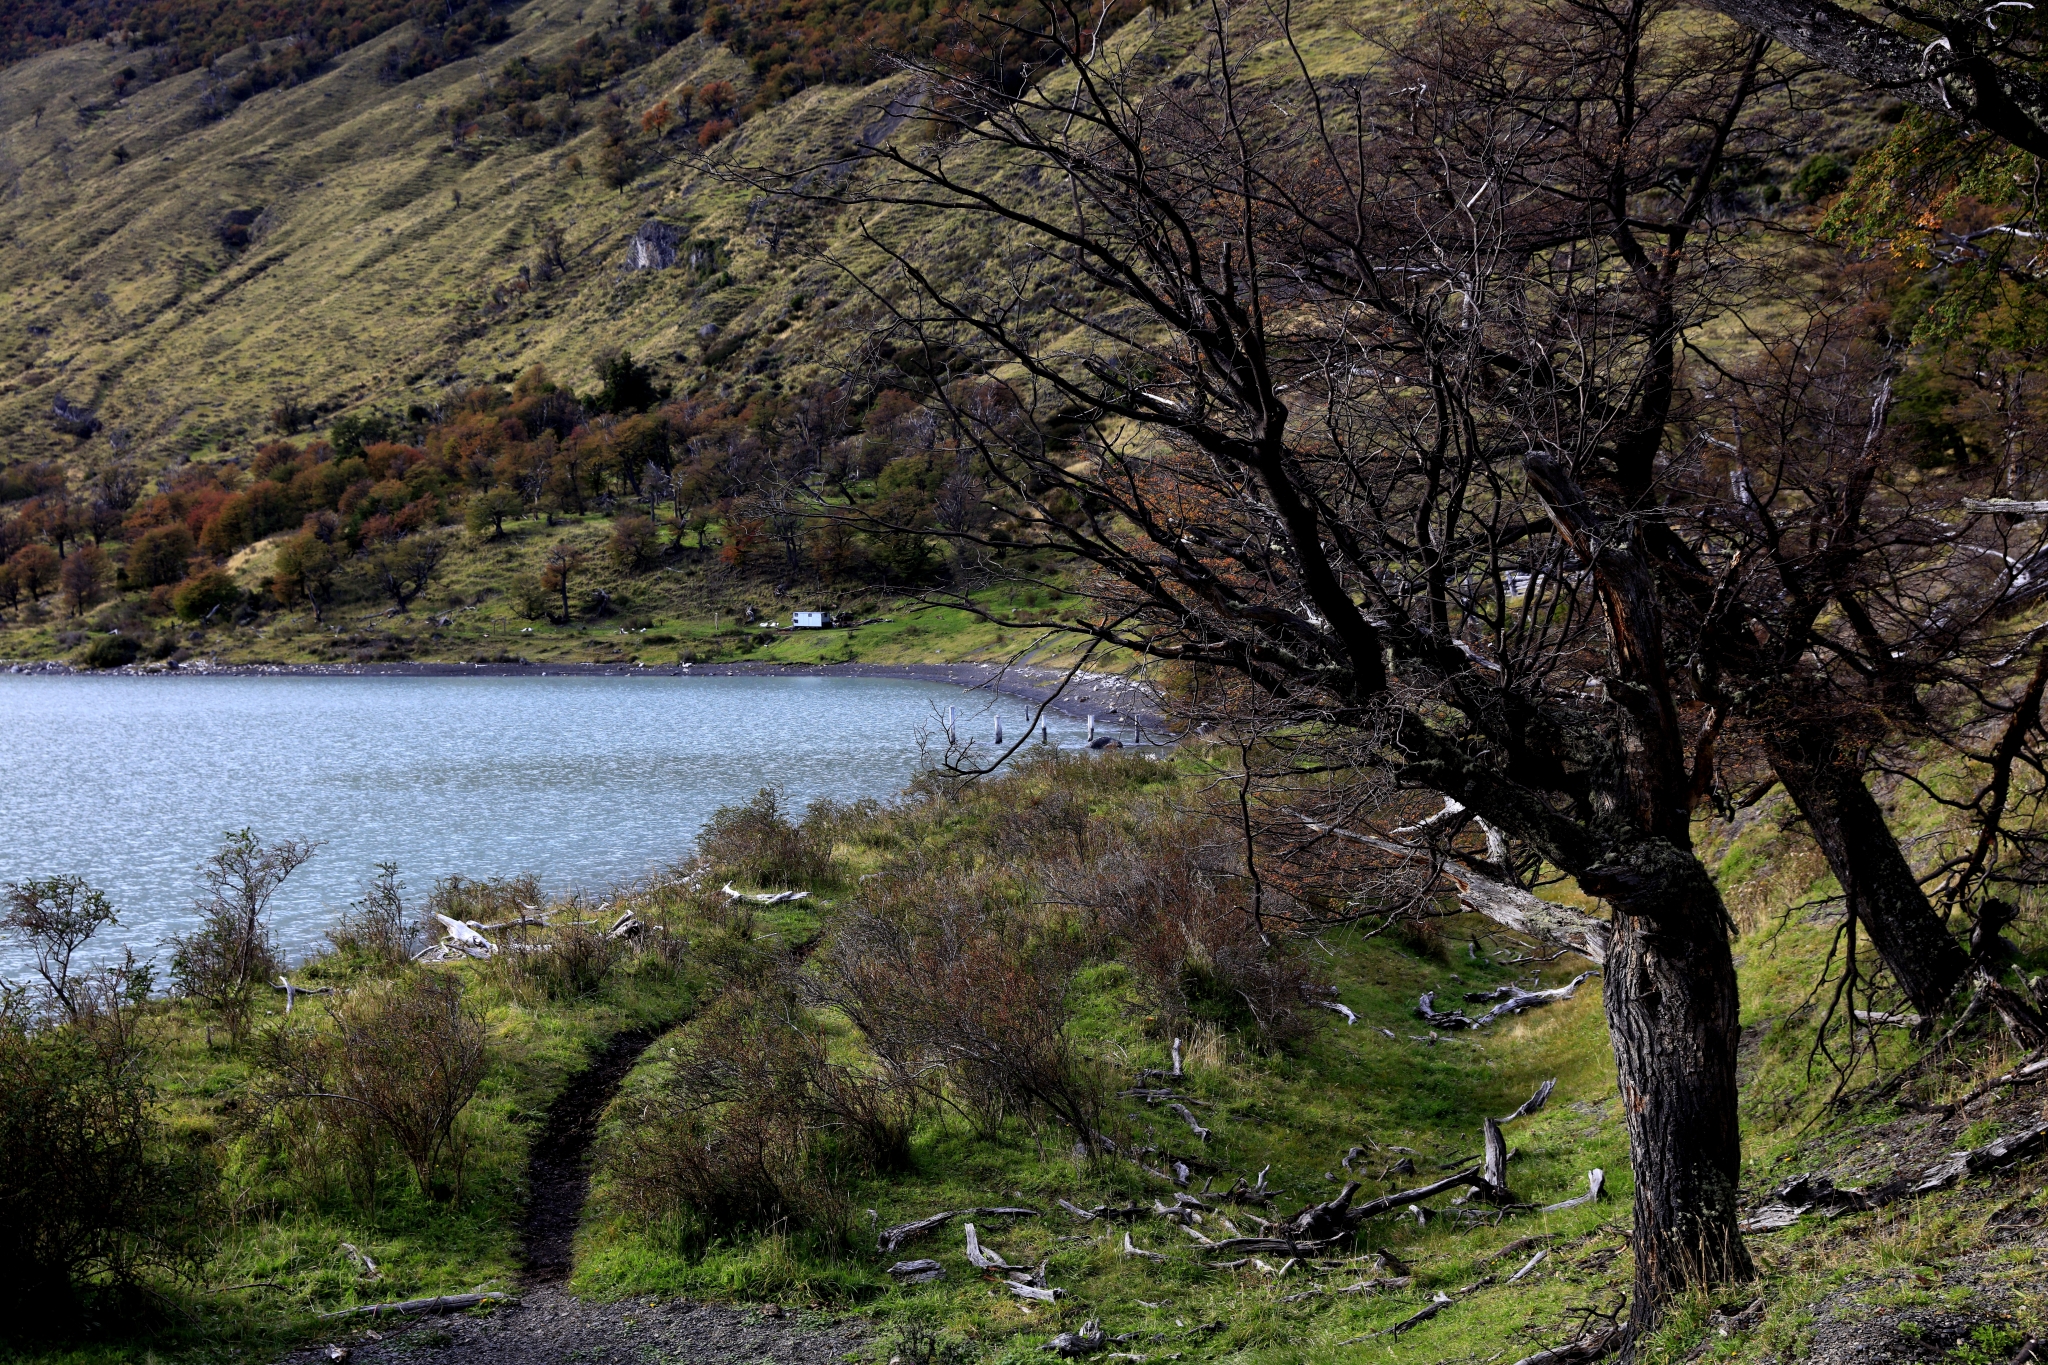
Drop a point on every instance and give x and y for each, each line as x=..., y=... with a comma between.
x=1116, y=701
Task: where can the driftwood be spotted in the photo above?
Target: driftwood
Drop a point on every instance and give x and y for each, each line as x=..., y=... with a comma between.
x=627, y=925
x=1187, y=1116
x=1512, y=1000
x=1593, y=1346
x=764, y=897
x=891, y=1238
x=447, y=1303
x=1596, y=1182
x=1535, y=1102
x=1131, y=1249
x=1881, y=1019
x=1087, y=1341
x=917, y=1272
x=523, y=922
x=1494, y=1169
x=291, y=992
x=1818, y=1194
x=466, y=938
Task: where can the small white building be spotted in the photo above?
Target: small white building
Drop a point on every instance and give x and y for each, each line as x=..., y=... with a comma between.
x=809, y=620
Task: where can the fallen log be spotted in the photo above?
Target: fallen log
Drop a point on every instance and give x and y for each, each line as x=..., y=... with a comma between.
x=764, y=897
x=917, y=1272
x=1513, y=1000
x=1593, y=1346
x=1494, y=1169
x=1350, y=1016
x=291, y=992
x=446, y=1303
x=465, y=937
x=1596, y=1181
x=1187, y=1116
x=888, y=1239
x=1535, y=1102
x=1132, y=1249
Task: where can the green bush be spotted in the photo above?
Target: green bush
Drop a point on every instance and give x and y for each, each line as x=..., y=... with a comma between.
x=109, y=651
x=757, y=841
x=91, y=1196
x=1820, y=177
x=202, y=593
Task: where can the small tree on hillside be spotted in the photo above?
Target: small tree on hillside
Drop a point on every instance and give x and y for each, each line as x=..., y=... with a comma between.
x=305, y=572
x=35, y=568
x=229, y=958
x=404, y=570
x=565, y=561
x=485, y=516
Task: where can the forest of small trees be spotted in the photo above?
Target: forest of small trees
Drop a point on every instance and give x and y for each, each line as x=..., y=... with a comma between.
x=758, y=488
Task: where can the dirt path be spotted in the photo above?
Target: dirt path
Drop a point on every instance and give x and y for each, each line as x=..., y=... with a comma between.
x=547, y=1325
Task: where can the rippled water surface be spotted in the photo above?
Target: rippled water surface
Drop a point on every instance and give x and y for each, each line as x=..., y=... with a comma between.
x=586, y=781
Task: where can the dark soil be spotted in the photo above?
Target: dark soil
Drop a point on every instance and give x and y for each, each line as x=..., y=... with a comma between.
x=558, y=1171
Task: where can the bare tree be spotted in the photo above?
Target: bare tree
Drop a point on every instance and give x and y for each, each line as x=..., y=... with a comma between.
x=1378, y=375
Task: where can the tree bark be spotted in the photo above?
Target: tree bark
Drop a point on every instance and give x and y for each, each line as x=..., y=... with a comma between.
x=1877, y=883
x=1672, y=1015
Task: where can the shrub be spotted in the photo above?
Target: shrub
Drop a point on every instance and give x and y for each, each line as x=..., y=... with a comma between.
x=53, y=918
x=757, y=841
x=634, y=543
x=374, y=928
x=1188, y=933
x=1820, y=177
x=229, y=959
x=199, y=596
x=91, y=1196
x=397, y=1064
x=753, y=1128
x=948, y=981
x=109, y=651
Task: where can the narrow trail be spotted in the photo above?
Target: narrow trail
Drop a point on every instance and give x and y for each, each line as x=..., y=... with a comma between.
x=558, y=1168
x=547, y=1325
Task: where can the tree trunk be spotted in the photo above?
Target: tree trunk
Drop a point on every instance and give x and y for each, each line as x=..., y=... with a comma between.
x=1672, y=1014
x=1877, y=883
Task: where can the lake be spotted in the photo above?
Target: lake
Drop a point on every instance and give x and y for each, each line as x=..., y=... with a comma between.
x=585, y=781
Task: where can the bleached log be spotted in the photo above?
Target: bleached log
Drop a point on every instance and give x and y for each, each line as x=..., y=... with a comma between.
x=1436, y=1305
x=291, y=992
x=891, y=1238
x=1529, y=1265
x=1033, y=1292
x=1535, y=1102
x=981, y=1259
x=523, y=922
x=466, y=937
x=1350, y=1017
x=917, y=1272
x=1187, y=1116
x=446, y=1303
x=1131, y=1249
x=1484, y=892
x=1879, y=1018
x=764, y=897
x=1494, y=1169
x=1513, y=1000
x=1596, y=1182
x=2012, y=507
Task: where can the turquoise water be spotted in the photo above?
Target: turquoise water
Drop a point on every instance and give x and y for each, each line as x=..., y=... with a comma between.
x=585, y=781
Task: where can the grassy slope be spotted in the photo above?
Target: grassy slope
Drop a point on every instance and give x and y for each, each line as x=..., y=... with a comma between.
x=1951, y=1260
x=1355, y=1086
